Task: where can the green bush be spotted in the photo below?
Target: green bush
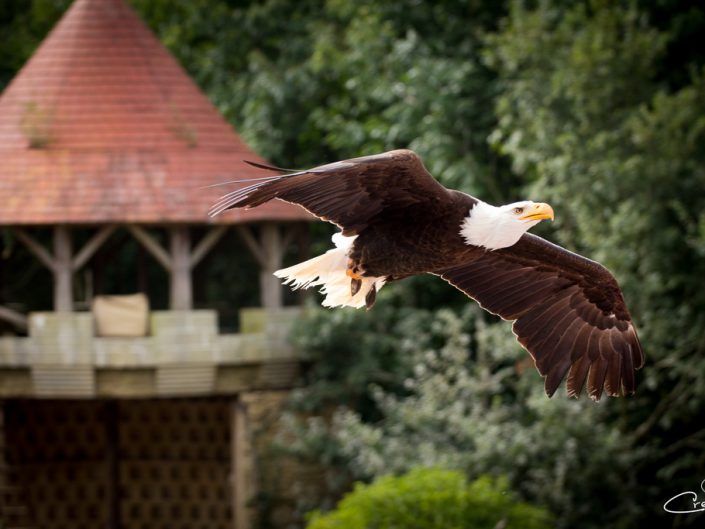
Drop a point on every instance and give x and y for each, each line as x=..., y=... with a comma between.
x=431, y=498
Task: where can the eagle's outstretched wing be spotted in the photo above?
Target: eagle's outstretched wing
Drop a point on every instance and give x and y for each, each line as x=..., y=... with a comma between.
x=569, y=313
x=348, y=193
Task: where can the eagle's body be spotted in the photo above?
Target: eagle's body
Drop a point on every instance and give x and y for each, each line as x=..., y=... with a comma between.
x=415, y=240
x=397, y=221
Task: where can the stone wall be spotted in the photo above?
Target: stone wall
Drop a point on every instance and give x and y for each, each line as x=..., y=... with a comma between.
x=281, y=480
x=183, y=356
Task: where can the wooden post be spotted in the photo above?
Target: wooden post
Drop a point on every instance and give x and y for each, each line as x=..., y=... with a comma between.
x=269, y=252
x=92, y=246
x=151, y=245
x=181, y=288
x=239, y=464
x=13, y=317
x=273, y=252
x=62, y=263
x=180, y=259
x=63, y=270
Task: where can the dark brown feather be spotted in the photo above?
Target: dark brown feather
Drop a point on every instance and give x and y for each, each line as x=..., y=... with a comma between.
x=596, y=378
x=349, y=193
x=628, y=381
x=576, y=375
x=569, y=313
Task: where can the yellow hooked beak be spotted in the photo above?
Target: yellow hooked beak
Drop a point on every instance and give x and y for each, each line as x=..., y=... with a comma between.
x=538, y=211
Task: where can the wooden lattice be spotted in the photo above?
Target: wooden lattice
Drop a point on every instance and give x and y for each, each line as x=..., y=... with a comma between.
x=153, y=464
x=174, y=465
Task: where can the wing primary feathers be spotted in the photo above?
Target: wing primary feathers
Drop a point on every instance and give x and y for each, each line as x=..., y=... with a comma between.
x=526, y=325
x=614, y=374
x=596, y=378
x=537, y=335
x=637, y=352
x=550, y=342
x=231, y=199
x=569, y=316
x=576, y=376
x=270, y=167
x=555, y=375
x=564, y=347
x=628, y=381
x=582, y=341
x=350, y=193
x=239, y=181
x=593, y=350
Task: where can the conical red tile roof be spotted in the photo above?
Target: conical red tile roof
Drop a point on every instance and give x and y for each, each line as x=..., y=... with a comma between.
x=102, y=125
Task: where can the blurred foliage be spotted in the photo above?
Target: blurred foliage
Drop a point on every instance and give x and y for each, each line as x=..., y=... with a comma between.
x=22, y=26
x=594, y=120
x=429, y=498
x=471, y=402
x=598, y=117
x=596, y=106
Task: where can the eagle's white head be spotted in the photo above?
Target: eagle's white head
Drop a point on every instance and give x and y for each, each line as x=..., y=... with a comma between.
x=495, y=227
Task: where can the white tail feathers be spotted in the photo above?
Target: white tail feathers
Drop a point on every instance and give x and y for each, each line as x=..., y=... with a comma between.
x=328, y=270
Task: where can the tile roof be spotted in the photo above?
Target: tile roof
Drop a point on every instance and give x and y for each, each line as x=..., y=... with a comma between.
x=102, y=125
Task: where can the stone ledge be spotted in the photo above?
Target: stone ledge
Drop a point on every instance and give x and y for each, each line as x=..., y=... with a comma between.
x=189, y=337
x=177, y=380
x=184, y=356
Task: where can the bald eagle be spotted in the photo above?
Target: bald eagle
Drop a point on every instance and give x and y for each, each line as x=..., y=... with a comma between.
x=396, y=220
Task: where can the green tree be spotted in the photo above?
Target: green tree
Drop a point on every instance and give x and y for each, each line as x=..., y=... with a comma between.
x=22, y=26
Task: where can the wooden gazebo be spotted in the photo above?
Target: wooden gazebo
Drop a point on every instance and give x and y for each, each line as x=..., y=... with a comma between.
x=103, y=128
x=103, y=131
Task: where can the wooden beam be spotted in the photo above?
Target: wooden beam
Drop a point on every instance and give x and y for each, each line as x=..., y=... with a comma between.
x=206, y=244
x=252, y=244
x=63, y=270
x=270, y=286
x=151, y=245
x=92, y=246
x=269, y=253
x=181, y=288
x=239, y=464
x=13, y=317
x=35, y=247
x=60, y=264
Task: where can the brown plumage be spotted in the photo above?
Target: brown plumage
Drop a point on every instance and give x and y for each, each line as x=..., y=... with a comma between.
x=568, y=311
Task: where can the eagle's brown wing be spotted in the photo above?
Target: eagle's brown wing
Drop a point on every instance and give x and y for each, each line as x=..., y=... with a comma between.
x=348, y=193
x=569, y=311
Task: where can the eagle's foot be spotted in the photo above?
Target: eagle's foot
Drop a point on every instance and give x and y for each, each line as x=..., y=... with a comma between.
x=353, y=270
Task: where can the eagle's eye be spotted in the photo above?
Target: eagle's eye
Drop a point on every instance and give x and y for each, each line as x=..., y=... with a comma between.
x=518, y=211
